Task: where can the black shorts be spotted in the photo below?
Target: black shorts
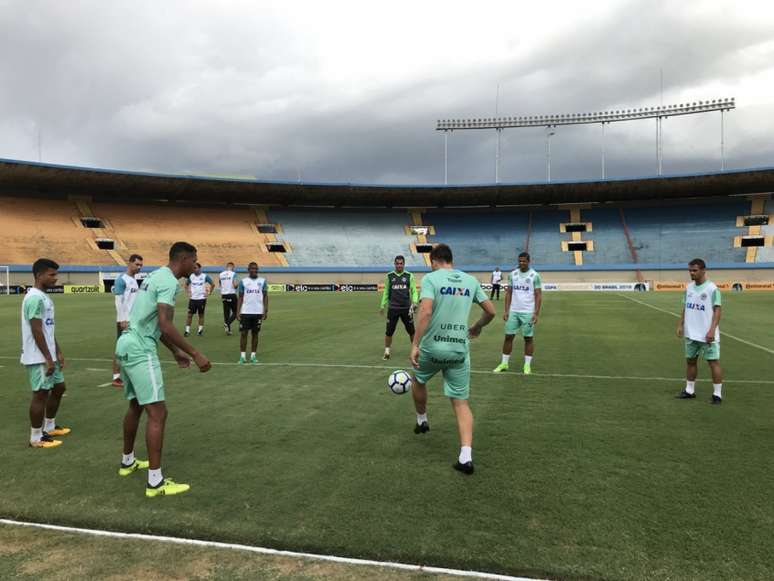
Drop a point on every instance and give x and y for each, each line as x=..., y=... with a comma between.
x=196, y=306
x=250, y=323
x=405, y=315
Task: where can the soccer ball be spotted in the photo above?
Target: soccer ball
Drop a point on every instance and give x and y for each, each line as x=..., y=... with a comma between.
x=399, y=382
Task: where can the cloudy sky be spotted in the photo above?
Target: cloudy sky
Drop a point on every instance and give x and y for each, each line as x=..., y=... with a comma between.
x=351, y=91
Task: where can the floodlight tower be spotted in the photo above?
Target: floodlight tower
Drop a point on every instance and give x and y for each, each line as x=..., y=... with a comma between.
x=602, y=117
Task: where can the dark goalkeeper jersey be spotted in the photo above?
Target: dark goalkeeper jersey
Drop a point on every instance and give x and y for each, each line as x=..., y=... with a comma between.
x=400, y=290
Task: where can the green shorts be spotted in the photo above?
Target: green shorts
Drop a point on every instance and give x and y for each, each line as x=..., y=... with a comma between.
x=40, y=381
x=521, y=321
x=455, y=368
x=140, y=370
x=695, y=349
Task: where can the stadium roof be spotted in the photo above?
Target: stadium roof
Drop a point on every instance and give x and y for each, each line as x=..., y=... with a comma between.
x=56, y=181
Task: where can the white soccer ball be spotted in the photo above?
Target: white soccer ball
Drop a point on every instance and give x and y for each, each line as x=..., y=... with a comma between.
x=399, y=382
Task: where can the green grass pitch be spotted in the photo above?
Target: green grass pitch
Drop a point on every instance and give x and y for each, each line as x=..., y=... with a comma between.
x=578, y=477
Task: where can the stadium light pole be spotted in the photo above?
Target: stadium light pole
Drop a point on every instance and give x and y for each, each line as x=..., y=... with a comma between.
x=446, y=158
x=603, y=150
x=722, y=141
x=497, y=156
x=549, y=133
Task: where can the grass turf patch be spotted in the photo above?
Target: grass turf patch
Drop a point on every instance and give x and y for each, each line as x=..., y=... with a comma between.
x=576, y=477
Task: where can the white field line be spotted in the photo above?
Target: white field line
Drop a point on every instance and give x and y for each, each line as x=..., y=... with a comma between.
x=105, y=384
x=476, y=371
x=96, y=369
x=723, y=333
x=267, y=551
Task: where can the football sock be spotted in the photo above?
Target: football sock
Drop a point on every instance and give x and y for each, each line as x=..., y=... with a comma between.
x=387, y=350
x=690, y=386
x=506, y=358
x=188, y=328
x=154, y=477
x=528, y=359
x=243, y=354
x=36, y=434
x=116, y=376
x=252, y=354
x=128, y=459
x=201, y=328
x=49, y=425
x=717, y=389
x=421, y=418
x=466, y=454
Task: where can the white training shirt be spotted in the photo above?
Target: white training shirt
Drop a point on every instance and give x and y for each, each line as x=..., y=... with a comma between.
x=227, y=282
x=698, y=303
x=253, y=290
x=196, y=284
x=523, y=285
x=125, y=289
x=37, y=305
x=497, y=276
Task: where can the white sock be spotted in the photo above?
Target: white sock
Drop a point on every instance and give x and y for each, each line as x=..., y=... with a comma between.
x=252, y=354
x=466, y=454
x=201, y=328
x=128, y=459
x=49, y=425
x=528, y=359
x=188, y=328
x=690, y=386
x=154, y=477
x=506, y=358
x=386, y=349
x=116, y=376
x=36, y=434
x=717, y=389
x=421, y=418
x=244, y=355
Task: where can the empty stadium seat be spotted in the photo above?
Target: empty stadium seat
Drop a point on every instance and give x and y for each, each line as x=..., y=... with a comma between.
x=219, y=234
x=766, y=253
x=349, y=238
x=607, y=232
x=31, y=228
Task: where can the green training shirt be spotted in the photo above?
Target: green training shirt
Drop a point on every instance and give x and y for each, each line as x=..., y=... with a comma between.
x=159, y=287
x=453, y=293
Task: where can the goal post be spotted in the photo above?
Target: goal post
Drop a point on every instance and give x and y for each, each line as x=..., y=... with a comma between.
x=5, y=279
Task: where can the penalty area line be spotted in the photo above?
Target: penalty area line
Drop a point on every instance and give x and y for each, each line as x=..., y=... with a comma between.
x=267, y=551
x=723, y=333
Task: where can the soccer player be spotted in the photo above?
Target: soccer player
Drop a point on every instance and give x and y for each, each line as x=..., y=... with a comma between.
x=400, y=296
x=497, y=278
x=523, y=298
x=42, y=357
x=441, y=344
x=150, y=321
x=699, y=326
x=199, y=287
x=252, y=310
x=228, y=284
x=125, y=289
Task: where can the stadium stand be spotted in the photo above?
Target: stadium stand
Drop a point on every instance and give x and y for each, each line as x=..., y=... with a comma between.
x=545, y=241
x=351, y=238
x=607, y=232
x=675, y=234
x=220, y=234
x=31, y=228
x=483, y=237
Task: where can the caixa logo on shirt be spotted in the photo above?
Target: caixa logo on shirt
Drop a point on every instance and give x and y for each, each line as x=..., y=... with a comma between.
x=695, y=306
x=521, y=287
x=455, y=291
x=253, y=291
